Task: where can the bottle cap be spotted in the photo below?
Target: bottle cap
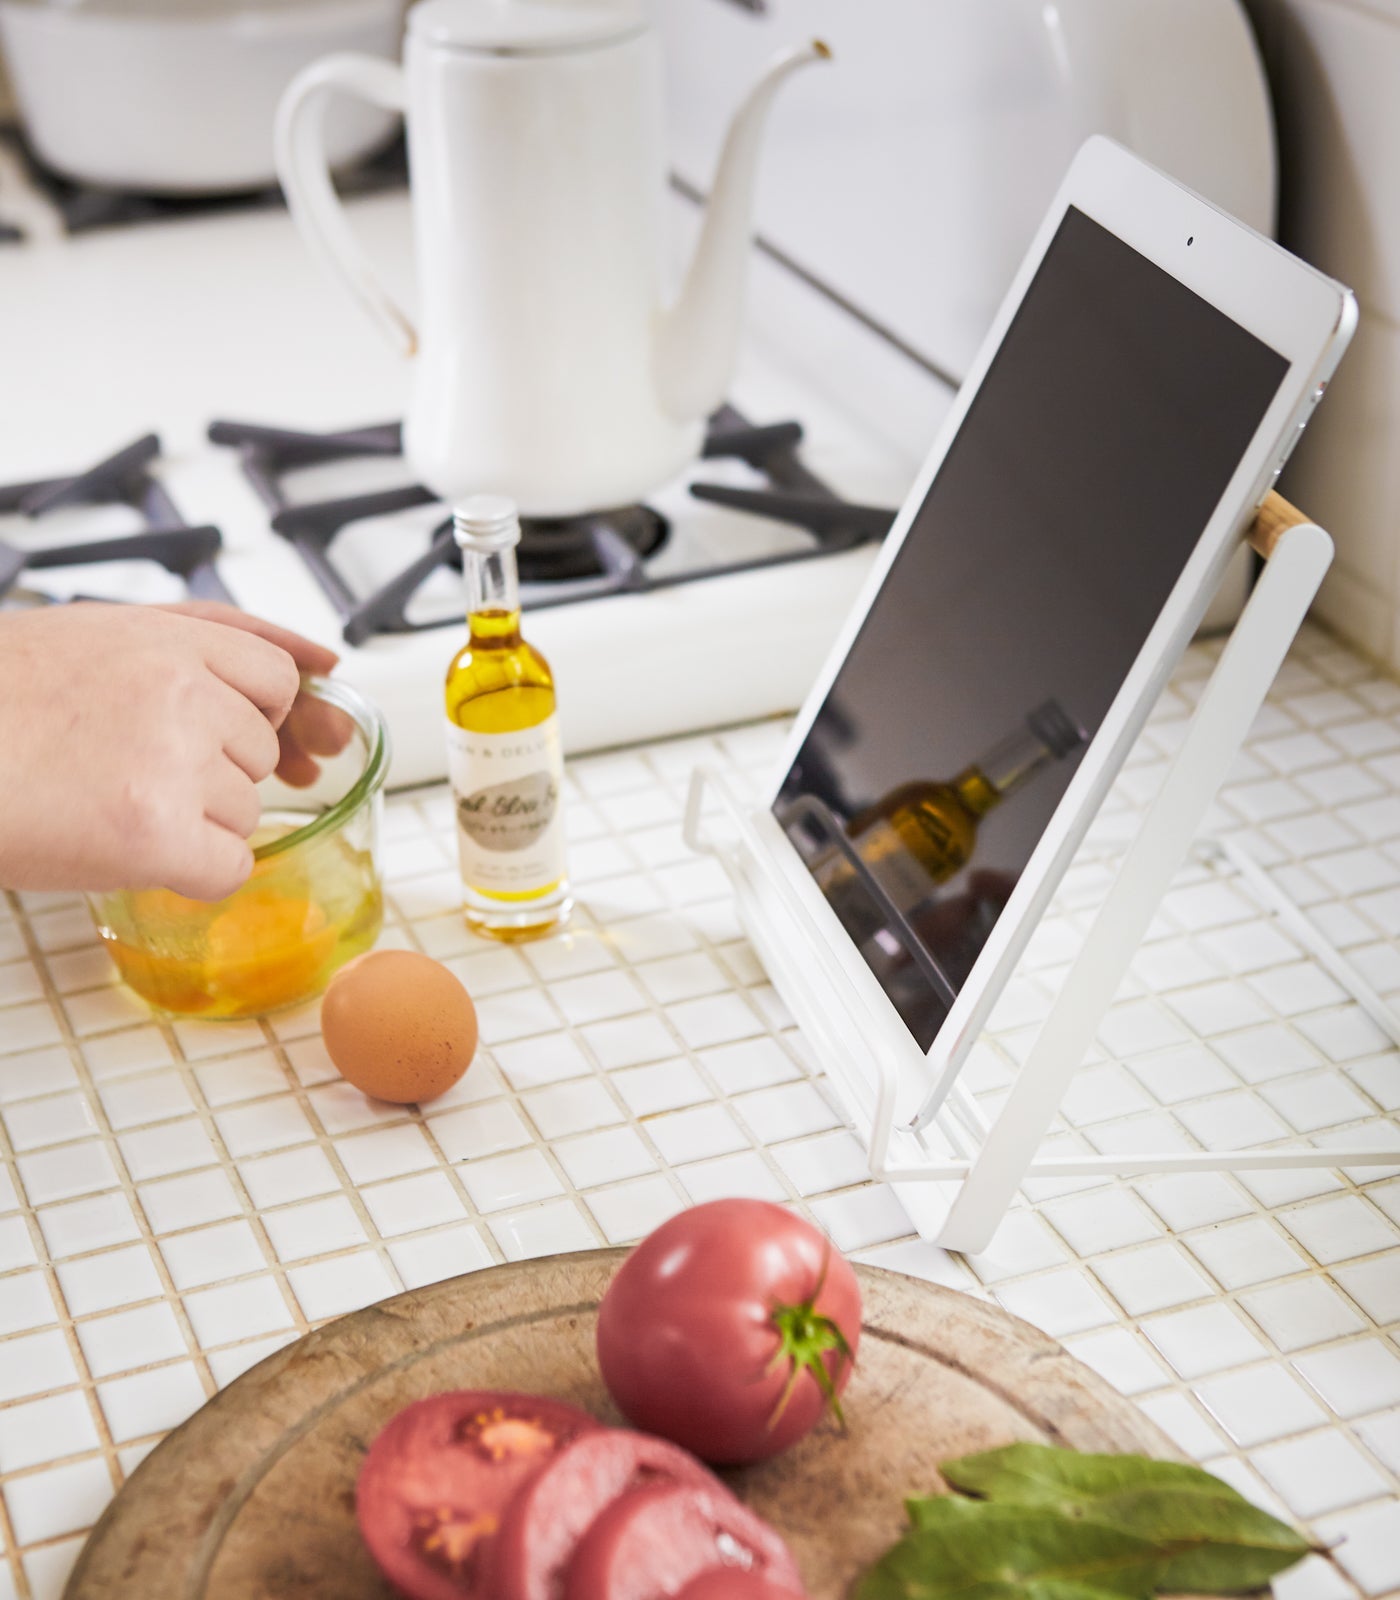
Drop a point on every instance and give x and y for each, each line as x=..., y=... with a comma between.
x=1056, y=729
x=486, y=522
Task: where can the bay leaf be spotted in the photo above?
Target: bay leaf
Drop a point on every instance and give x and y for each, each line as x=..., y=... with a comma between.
x=1212, y=1540
x=955, y=1548
x=1029, y=1473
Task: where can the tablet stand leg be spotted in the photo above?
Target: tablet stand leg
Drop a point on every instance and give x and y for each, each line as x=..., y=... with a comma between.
x=1232, y=699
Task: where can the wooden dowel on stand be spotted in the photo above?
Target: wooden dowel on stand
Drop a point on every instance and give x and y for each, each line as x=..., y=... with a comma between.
x=1273, y=518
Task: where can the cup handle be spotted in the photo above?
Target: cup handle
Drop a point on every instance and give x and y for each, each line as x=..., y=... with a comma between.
x=304, y=172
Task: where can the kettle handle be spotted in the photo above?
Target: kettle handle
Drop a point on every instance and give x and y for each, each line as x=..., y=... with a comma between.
x=304, y=171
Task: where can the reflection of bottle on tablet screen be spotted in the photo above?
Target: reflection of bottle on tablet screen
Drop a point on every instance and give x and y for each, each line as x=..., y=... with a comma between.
x=915, y=838
x=919, y=834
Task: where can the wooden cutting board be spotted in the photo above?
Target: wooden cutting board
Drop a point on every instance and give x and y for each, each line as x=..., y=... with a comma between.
x=253, y=1498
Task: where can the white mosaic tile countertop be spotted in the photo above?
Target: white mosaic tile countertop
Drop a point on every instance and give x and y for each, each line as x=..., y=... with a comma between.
x=179, y=1199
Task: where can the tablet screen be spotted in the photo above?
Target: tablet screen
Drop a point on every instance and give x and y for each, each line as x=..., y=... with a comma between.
x=1101, y=439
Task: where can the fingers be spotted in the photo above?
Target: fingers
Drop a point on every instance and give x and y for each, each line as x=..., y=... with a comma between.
x=297, y=769
x=261, y=672
x=249, y=740
x=231, y=801
x=312, y=728
x=214, y=864
x=308, y=655
x=320, y=728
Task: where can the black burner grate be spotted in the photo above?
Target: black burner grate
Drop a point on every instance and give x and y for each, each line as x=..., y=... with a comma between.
x=121, y=479
x=554, y=549
x=83, y=207
x=562, y=561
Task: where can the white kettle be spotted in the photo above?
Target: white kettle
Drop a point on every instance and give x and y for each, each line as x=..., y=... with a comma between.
x=548, y=367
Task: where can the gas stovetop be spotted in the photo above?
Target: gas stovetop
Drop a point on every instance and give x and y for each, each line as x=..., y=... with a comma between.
x=388, y=579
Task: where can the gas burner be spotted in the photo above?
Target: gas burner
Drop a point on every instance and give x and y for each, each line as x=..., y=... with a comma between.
x=121, y=479
x=555, y=548
x=562, y=561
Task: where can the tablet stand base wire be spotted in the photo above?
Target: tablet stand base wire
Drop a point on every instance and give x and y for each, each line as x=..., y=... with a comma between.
x=976, y=1166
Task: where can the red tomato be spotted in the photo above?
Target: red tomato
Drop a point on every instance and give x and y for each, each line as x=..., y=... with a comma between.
x=438, y=1476
x=543, y=1524
x=650, y=1543
x=732, y=1583
x=729, y=1330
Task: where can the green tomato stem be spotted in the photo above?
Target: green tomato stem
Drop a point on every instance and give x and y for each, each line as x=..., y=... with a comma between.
x=805, y=1336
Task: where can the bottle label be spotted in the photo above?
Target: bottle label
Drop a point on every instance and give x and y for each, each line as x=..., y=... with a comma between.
x=510, y=826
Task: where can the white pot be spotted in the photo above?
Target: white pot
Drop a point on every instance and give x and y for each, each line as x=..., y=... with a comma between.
x=179, y=96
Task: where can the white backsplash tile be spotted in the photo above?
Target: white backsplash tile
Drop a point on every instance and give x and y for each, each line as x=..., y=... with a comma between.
x=1151, y=1279
x=431, y=1257
x=1238, y=1254
x=743, y=1175
x=510, y=1180
x=88, y=1225
x=1353, y=1378
x=150, y=1402
x=112, y=1278
x=572, y=1107
x=544, y=1230
x=125, y=1340
x=1319, y=1473
x=1301, y=1313
x=36, y=1363
x=290, y=1175
x=25, y=1302
x=237, y=1311
x=314, y=1228
x=629, y=1211
x=36, y=1431
x=1366, y=1545
x=339, y=1284
x=1203, y=1340
x=66, y=1171
x=209, y=1255
x=1257, y=1404
x=46, y=1504
x=1192, y=1199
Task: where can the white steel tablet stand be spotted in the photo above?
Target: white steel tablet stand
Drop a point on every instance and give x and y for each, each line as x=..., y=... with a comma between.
x=955, y=1171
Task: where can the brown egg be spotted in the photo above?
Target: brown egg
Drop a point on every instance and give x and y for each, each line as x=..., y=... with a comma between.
x=399, y=1025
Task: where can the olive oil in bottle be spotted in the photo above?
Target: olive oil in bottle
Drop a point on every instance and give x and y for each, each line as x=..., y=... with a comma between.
x=504, y=756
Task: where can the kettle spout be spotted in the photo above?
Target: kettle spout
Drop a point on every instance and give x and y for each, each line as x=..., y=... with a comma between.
x=698, y=336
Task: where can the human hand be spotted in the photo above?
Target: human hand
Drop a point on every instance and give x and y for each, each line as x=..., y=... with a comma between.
x=312, y=727
x=132, y=739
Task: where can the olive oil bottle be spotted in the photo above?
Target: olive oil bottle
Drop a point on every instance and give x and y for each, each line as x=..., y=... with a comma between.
x=504, y=755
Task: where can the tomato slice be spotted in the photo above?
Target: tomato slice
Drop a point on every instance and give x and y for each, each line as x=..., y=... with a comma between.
x=439, y=1475
x=733, y=1583
x=651, y=1542
x=542, y=1526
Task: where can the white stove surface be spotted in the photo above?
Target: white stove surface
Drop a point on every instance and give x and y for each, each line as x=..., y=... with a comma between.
x=165, y=327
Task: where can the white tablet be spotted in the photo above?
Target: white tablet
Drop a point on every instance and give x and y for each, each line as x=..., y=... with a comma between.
x=1146, y=377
